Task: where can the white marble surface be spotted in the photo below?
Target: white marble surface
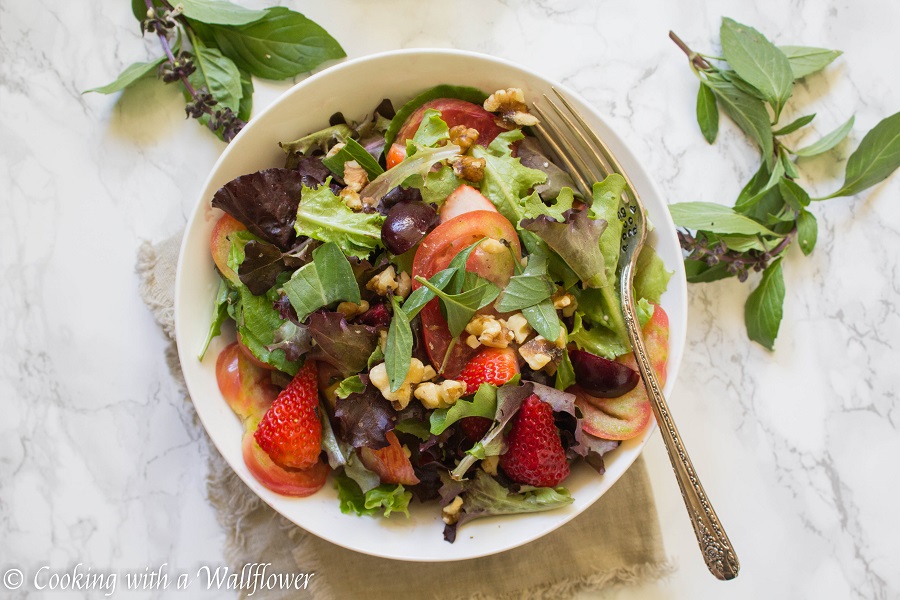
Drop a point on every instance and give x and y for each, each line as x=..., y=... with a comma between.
x=100, y=462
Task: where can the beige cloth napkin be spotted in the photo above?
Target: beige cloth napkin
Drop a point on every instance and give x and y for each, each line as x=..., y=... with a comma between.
x=616, y=541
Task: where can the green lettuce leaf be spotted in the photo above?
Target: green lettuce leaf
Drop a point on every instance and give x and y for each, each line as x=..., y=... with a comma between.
x=651, y=278
x=323, y=216
x=328, y=278
x=506, y=180
x=386, y=498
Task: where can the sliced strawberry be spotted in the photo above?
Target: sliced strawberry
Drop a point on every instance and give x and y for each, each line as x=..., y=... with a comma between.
x=535, y=455
x=492, y=365
x=290, y=432
x=391, y=462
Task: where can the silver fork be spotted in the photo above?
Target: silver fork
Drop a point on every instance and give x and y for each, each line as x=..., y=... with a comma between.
x=571, y=141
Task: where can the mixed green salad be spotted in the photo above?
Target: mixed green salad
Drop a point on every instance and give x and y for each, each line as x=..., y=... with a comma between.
x=425, y=305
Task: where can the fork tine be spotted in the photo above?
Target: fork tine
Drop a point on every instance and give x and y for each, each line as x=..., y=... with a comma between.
x=603, y=169
x=563, y=155
x=611, y=160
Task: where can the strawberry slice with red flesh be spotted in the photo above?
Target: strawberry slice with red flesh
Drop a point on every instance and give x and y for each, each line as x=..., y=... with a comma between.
x=492, y=365
x=290, y=432
x=535, y=455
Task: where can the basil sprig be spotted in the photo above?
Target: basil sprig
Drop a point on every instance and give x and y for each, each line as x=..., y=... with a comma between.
x=214, y=47
x=751, y=82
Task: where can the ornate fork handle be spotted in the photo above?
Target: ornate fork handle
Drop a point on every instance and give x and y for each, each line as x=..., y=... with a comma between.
x=720, y=558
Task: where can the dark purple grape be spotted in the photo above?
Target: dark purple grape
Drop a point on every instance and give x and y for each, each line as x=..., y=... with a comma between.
x=400, y=194
x=602, y=377
x=406, y=224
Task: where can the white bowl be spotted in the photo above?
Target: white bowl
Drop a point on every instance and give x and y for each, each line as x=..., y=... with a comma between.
x=354, y=88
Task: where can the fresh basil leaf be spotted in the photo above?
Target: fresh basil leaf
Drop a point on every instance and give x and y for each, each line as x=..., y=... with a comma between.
x=543, y=318
x=219, y=12
x=529, y=288
x=806, y=61
x=794, y=195
x=764, y=308
x=807, y=231
x=282, y=44
x=353, y=151
x=483, y=404
x=790, y=169
x=758, y=62
x=699, y=272
x=706, y=216
x=748, y=113
x=219, y=75
x=398, y=350
x=877, y=156
x=469, y=94
x=707, y=113
x=744, y=204
x=828, y=141
x=423, y=295
x=329, y=278
x=245, y=107
x=743, y=243
x=323, y=216
x=461, y=307
x=129, y=76
x=795, y=125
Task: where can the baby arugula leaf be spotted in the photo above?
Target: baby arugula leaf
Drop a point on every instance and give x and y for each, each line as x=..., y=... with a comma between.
x=398, y=349
x=327, y=279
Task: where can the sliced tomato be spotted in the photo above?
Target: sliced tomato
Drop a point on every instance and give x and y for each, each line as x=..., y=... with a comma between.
x=453, y=112
x=435, y=253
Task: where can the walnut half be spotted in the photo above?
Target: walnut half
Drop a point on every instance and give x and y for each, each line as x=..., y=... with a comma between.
x=510, y=105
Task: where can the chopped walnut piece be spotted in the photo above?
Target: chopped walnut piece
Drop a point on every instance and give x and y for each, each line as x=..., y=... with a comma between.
x=541, y=353
x=385, y=282
x=355, y=177
x=351, y=199
x=440, y=395
x=335, y=149
x=404, y=285
x=564, y=301
x=450, y=513
x=490, y=331
x=464, y=137
x=468, y=167
x=350, y=310
x=399, y=399
x=518, y=324
x=510, y=105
